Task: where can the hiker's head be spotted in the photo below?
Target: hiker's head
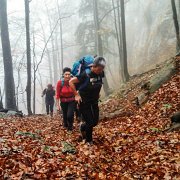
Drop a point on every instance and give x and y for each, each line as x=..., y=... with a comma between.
x=49, y=86
x=67, y=73
x=98, y=65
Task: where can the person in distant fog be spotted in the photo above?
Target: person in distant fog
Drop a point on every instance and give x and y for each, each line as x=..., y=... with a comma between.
x=49, y=94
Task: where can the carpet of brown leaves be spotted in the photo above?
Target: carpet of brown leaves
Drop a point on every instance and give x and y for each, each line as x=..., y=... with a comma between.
x=131, y=146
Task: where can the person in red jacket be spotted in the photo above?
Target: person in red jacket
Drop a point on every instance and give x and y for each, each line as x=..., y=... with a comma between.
x=65, y=99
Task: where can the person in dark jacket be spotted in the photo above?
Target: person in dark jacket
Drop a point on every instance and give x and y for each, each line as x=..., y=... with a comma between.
x=65, y=98
x=88, y=96
x=49, y=94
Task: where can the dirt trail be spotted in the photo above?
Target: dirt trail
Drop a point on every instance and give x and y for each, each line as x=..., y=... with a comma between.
x=129, y=146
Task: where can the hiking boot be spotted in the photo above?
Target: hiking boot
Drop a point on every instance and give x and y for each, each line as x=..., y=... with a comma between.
x=90, y=143
x=65, y=127
x=80, y=139
x=70, y=128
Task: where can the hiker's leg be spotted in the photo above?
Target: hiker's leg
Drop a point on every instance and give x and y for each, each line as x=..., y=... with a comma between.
x=70, y=114
x=78, y=113
x=47, y=108
x=95, y=110
x=88, y=118
x=64, y=107
x=51, y=108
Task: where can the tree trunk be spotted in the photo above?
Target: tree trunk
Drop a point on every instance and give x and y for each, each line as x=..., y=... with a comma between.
x=10, y=102
x=34, y=71
x=61, y=38
x=118, y=38
x=142, y=98
x=58, y=54
x=48, y=55
x=22, y=92
x=54, y=56
x=123, y=30
x=1, y=103
x=98, y=40
x=176, y=24
x=34, y=92
x=28, y=49
x=18, y=84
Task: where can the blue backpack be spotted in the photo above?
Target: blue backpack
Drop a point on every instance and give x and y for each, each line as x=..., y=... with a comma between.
x=82, y=65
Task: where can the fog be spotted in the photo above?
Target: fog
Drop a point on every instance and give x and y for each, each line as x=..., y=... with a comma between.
x=150, y=39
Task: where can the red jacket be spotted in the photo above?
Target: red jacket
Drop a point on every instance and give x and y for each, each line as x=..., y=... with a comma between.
x=64, y=92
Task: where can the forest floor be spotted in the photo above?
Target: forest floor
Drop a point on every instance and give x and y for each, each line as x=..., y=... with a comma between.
x=129, y=145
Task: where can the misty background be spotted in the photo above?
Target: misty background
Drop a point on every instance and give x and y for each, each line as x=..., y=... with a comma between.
x=62, y=31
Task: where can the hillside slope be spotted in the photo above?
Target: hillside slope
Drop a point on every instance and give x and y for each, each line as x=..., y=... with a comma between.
x=130, y=146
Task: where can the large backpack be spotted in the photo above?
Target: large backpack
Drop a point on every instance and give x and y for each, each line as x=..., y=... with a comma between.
x=82, y=65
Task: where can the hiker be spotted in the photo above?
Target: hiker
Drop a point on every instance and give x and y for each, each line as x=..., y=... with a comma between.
x=49, y=93
x=65, y=98
x=87, y=96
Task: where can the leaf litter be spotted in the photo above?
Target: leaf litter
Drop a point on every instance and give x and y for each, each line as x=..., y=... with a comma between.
x=132, y=145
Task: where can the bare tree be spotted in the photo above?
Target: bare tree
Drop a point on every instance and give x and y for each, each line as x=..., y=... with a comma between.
x=176, y=24
x=61, y=38
x=123, y=26
x=34, y=75
x=118, y=37
x=98, y=43
x=48, y=54
x=19, y=67
x=10, y=101
x=119, y=23
x=54, y=53
x=28, y=49
x=1, y=103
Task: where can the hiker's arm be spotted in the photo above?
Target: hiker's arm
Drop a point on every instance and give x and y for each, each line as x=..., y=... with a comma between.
x=58, y=104
x=43, y=93
x=72, y=83
x=54, y=92
x=58, y=86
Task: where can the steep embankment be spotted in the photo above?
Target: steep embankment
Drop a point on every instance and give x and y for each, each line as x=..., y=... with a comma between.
x=130, y=146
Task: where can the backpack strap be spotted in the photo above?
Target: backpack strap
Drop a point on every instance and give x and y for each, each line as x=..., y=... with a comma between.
x=62, y=85
x=88, y=71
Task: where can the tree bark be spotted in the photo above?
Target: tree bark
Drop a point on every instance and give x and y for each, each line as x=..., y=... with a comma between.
x=121, y=53
x=98, y=40
x=61, y=38
x=54, y=56
x=48, y=55
x=123, y=30
x=28, y=49
x=10, y=102
x=142, y=98
x=176, y=24
x=34, y=74
x=1, y=103
x=118, y=38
